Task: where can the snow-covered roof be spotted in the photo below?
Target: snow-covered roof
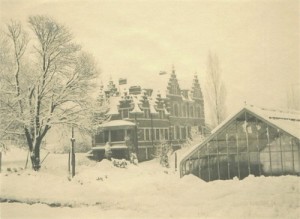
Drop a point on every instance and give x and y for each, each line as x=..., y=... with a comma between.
x=288, y=121
x=113, y=106
x=136, y=108
x=117, y=124
x=152, y=108
x=112, y=147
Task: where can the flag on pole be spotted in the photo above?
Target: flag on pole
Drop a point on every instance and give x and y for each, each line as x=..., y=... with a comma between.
x=162, y=73
x=122, y=81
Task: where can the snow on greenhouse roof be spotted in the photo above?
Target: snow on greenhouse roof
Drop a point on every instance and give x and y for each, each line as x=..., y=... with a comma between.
x=288, y=121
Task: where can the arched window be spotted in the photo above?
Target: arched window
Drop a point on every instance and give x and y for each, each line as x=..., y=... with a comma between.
x=184, y=110
x=192, y=111
x=198, y=112
x=161, y=114
x=175, y=110
x=147, y=113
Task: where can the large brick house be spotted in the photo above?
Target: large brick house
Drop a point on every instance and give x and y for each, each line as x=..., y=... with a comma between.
x=139, y=119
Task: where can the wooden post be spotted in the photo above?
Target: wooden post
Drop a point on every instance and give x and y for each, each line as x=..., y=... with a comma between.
x=72, y=154
x=247, y=142
x=258, y=148
x=175, y=161
x=208, y=166
x=218, y=158
x=69, y=162
x=228, y=161
x=27, y=159
x=199, y=163
x=293, y=158
x=237, y=149
x=281, y=159
x=269, y=146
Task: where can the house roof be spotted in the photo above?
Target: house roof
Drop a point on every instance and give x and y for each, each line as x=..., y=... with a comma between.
x=117, y=124
x=136, y=108
x=113, y=106
x=288, y=121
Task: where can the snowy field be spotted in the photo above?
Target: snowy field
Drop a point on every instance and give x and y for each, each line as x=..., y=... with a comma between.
x=100, y=190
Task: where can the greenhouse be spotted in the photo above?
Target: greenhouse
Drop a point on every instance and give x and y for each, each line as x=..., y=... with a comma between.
x=253, y=141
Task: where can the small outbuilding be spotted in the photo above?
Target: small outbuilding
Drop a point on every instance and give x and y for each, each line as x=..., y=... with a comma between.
x=119, y=134
x=254, y=141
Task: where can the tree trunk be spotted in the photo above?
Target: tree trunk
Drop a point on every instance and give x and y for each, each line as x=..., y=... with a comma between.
x=35, y=156
x=34, y=148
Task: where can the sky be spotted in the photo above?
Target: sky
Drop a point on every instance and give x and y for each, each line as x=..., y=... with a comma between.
x=257, y=42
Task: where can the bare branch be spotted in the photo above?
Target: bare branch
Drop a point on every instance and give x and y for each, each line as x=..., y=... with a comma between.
x=215, y=90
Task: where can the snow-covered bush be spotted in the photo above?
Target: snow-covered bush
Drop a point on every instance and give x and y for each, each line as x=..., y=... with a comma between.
x=161, y=152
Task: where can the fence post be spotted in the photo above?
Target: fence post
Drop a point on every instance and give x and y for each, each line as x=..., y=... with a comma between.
x=175, y=161
x=72, y=154
x=0, y=160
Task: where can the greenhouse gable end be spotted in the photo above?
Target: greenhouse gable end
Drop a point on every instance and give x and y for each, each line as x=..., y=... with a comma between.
x=254, y=141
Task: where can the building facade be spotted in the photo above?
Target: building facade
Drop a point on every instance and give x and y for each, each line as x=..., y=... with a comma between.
x=139, y=119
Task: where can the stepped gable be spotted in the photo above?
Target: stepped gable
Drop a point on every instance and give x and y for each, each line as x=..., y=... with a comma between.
x=196, y=92
x=136, y=108
x=173, y=85
x=113, y=106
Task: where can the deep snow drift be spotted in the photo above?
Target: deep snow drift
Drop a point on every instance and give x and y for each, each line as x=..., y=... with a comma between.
x=100, y=190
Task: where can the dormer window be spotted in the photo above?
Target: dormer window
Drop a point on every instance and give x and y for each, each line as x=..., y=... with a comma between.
x=124, y=113
x=161, y=114
x=176, y=110
x=192, y=111
x=147, y=113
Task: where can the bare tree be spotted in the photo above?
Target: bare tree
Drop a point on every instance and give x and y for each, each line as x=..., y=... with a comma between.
x=215, y=90
x=54, y=87
x=293, y=97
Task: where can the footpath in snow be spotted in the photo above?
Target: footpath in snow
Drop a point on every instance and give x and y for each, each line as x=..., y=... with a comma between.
x=101, y=190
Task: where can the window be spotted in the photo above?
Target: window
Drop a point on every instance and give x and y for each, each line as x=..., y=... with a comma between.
x=161, y=114
x=147, y=113
x=184, y=111
x=147, y=135
x=183, y=132
x=141, y=134
x=106, y=136
x=173, y=89
x=162, y=134
x=117, y=135
x=166, y=134
x=177, y=130
x=100, y=138
x=124, y=113
x=192, y=111
x=171, y=133
x=175, y=110
x=157, y=134
x=198, y=112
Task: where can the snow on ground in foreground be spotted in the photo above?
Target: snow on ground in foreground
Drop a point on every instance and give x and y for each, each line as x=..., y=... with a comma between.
x=100, y=190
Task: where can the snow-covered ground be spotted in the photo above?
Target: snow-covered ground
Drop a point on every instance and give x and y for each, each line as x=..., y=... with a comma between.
x=100, y=190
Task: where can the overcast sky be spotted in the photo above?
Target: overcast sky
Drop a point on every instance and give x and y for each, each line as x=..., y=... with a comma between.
x=257, y=41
